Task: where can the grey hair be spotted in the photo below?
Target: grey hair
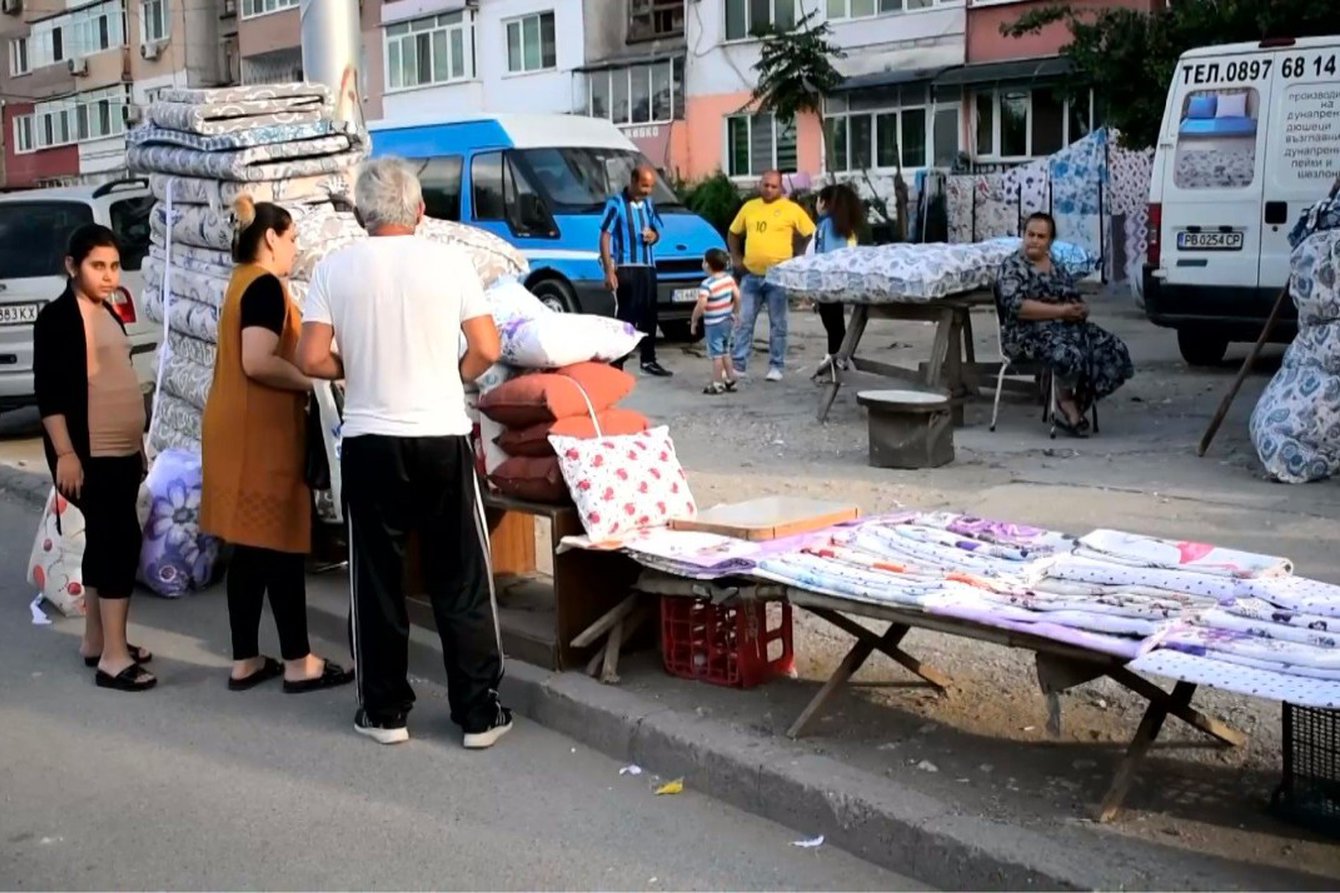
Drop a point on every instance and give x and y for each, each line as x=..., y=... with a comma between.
x=388, y=194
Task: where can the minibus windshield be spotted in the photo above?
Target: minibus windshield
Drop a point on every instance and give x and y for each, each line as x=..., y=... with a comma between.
x=579, y=180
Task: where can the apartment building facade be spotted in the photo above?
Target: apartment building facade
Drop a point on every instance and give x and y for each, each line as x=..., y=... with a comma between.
x=74, y=76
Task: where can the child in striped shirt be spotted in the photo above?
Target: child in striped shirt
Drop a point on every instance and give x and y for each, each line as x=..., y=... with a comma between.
x=718, y=310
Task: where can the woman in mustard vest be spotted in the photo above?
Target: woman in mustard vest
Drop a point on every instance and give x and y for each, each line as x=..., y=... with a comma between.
x=252, y=442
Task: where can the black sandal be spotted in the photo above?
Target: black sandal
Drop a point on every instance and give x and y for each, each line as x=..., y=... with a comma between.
x=132, y=678
x=332, y=676
x=270, y=669
x=1063, y=424
x=137, y=654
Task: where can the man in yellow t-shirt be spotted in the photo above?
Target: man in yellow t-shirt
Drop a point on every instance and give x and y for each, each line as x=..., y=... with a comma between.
x=768, y=230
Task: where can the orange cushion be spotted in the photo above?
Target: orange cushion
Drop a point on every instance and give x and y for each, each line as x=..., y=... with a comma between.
x=531, y=479
x=534, y=440
x=548, y=396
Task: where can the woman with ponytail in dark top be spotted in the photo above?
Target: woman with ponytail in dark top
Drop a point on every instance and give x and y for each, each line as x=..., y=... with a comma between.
x=255, y=495
x=840, y=213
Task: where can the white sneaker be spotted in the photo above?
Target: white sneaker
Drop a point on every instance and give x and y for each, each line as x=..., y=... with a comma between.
x=774, y=375
x=386, y=731
x=501, y=725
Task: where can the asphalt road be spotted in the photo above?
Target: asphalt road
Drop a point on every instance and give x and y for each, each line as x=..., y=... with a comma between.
x=191, y=786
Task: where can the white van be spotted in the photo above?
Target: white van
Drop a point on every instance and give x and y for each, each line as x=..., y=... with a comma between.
x=1250, y=139
x=35, y=226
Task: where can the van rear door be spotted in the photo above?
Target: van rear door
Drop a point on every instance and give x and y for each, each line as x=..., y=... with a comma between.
x=1303, y=148
x=1215, y=150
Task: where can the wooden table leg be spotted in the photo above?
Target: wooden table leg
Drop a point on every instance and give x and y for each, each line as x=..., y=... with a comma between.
x=860, y=315
x=1150, y=725
x=1185, y=712
x=866, y=644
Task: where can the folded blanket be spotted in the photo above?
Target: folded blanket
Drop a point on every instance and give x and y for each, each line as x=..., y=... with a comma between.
x=1035, y=540
x=837, y=579
x=200, y=226
x=186, y=283
x=206, y=261
x=1296, y=594
x=187, y=316
x=201, y=353
x=176, y=423
x=1264, y=611
x=219, y=120
x=1235, y=676
x=257, y=135
x=1203, y=640
x=1088, y=570
x=187, y=380
x=1218, y=618
x=220, y=194
x=277, y=162
x=1149, y=552
x=295, y=94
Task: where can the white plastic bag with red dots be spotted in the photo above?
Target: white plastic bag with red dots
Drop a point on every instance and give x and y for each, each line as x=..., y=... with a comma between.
x=55, y=568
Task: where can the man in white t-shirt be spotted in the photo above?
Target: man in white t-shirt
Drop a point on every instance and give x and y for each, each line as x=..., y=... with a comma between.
x=397, y=305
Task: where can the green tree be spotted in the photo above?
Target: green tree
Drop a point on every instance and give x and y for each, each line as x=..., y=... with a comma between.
x=1128, y=57
x=795, y=70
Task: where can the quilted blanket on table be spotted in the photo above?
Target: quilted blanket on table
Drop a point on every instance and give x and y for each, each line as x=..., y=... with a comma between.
x=1136, y=550
x=893, y=274
x=1295, y=426
x=188, y=317
x=272, y=162
x=288, y=191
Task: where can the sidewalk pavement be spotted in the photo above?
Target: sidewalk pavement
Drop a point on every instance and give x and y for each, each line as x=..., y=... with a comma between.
x=796, y=784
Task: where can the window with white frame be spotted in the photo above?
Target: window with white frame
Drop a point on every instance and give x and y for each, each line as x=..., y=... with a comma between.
x=82, y=32
x=882, y=127
x=261, y=7
x=638, y=94
x=1024, y=122
x=433, y=50
x=756, y=144
x=530, y=43
x=153, y=20
x=861, y=9
x=18, y=56
x=23, y=134
x=748, y=18
x=94, y=115
x=650, y=19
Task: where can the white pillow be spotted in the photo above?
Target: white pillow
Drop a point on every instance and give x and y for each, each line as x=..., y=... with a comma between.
x=1232, y=105
x=624, y=483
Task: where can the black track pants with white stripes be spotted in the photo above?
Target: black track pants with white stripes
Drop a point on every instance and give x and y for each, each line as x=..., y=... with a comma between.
x=392, y=486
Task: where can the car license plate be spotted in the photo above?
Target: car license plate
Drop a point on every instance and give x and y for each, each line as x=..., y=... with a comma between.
x=684, y=295
x=1209, y=241
x=18, y=314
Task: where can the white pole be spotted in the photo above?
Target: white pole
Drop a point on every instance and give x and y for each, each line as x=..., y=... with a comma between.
x=331, y=39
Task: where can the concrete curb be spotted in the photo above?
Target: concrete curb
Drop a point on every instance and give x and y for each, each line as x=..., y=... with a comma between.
x=872, y=817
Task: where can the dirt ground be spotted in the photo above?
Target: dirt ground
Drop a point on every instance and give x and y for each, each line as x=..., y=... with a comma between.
x=985, y=744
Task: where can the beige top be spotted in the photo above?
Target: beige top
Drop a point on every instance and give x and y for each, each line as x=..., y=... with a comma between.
x=115, y=402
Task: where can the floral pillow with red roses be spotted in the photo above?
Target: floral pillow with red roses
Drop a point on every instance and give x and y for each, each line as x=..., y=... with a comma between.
x=624, y=483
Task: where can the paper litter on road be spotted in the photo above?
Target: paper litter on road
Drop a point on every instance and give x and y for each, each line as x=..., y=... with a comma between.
x=39, y=616
x=631, y=770
x=671, y=787
x=809, y=844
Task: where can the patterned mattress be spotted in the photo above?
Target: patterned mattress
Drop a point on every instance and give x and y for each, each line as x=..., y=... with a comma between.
x=310, y=189
x=277, y=161
x=237, y=109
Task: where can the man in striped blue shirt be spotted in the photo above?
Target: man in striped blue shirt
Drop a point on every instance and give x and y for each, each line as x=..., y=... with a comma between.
x=629, y=231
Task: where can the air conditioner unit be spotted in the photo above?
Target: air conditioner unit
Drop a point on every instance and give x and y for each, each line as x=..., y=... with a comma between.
x=229, y=8
x=151, y=50
x=78, y=66
x=12, y=7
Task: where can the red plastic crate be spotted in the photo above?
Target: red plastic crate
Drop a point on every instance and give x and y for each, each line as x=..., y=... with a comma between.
x=736, y=645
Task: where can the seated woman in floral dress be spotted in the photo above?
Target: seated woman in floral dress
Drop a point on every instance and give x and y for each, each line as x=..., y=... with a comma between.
x=1044, y=320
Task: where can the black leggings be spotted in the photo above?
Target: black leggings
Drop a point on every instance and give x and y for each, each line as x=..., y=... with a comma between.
x=835, y=324
x=251, y=574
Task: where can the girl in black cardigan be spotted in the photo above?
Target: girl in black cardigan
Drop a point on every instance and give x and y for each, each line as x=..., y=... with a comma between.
x=92, y=429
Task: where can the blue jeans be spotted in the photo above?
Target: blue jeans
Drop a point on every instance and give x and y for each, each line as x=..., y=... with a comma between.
x=754, y=294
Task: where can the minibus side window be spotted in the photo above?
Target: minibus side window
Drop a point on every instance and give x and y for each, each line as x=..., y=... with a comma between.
x=441, y=179
x=487, y=184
